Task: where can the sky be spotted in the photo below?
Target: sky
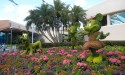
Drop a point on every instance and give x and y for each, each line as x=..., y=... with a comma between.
x=17, y=13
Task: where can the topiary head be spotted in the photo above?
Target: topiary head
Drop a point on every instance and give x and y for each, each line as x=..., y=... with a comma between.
x=99, y=17
x=24, y=38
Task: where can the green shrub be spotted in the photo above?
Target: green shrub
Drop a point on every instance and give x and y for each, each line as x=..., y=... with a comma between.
x=115, y=47
x=112, y=43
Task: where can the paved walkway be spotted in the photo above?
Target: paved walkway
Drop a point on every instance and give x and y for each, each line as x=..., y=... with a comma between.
x=2, y=52
x=8, y=50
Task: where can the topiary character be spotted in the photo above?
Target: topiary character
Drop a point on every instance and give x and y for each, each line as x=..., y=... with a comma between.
x=30, y=47
x=94, y=35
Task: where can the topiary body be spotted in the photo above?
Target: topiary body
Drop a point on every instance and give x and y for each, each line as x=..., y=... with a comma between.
x=30, y=47
x=93, y=42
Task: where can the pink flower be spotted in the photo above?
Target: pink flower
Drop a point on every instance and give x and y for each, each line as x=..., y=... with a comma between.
x=118, y=53
x=99, y=51
x=50, y=51
x=114, y=60
x=28, y=73
x=62, y=52
x=36, y=59
x=33, y=58
x=65, y=61
x=74, y=51
x=5, y=53
x=110, y=53
x=14, y=53
x=118, y=61
x=83, y=54
x=80, y=64
x=45, y=58
x=69, y=55
x=39, y=51
x=122, y=57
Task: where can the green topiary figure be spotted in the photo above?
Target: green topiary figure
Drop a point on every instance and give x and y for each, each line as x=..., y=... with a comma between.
x=30, y=47
x=72, y=31
x=94, y=35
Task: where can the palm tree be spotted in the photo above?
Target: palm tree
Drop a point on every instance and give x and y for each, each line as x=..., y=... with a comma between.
x=41, y=18
x=61, y=16
x=77, y=14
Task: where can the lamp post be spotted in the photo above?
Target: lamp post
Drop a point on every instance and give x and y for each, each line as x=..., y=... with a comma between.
x=32, y=26
x=11, y=28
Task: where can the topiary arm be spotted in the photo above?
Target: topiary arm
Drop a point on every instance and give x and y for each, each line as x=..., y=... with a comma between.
x=102, y=36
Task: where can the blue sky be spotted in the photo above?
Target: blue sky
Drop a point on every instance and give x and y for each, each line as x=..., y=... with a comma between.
x=17, y=13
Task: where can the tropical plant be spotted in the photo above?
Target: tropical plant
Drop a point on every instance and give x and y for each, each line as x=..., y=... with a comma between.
x=76, y=15
x=72, y=31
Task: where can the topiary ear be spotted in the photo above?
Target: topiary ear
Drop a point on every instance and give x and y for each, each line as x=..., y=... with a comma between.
x=99, y=17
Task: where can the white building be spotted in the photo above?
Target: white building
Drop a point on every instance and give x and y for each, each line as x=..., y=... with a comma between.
x=114, y=18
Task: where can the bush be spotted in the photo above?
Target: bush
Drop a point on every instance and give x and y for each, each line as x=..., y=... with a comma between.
x=112, y=43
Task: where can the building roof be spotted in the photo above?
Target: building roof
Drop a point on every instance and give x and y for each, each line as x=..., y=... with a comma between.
x=7, y=25
x=106, y=7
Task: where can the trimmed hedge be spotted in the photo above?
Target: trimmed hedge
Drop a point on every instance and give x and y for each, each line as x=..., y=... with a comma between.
x=112, y=43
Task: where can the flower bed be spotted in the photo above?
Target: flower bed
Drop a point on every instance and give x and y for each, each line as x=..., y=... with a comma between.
x=59, y=61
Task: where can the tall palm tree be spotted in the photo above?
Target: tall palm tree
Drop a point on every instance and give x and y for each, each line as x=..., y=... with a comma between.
x=41, y=18
x=65, y=17
x=77, y=14
x=61, y=11
x=32, y=18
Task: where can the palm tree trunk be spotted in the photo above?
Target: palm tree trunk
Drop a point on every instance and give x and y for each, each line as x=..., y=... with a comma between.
x=50, y=34
x=46, y=36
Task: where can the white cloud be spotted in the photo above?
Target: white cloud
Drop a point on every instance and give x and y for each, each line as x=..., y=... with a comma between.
x=16, y=13
x=81, y=3
x=51, y=1
x=8, y=8
x=22, y=12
